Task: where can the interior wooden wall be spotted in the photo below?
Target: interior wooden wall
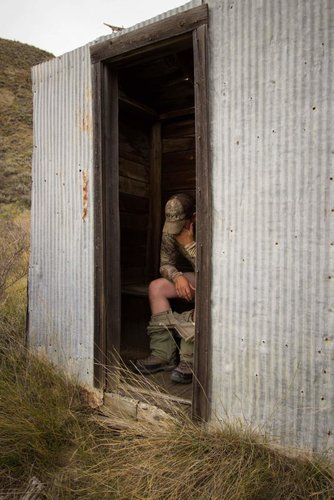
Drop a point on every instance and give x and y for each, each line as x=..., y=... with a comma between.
x=178, y=175
x=134, y=153
x=178, y=157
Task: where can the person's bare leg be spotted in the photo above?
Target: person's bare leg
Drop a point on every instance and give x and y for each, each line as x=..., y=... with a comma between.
x=162, y=345
x=161, y=290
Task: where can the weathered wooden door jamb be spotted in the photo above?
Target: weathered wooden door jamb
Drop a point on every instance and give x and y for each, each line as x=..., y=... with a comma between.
x=156, y=36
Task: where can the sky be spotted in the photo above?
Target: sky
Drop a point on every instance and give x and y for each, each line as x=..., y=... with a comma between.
x=59, y=26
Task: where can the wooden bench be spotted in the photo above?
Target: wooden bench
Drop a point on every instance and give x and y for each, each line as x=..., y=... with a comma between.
x=135, y=289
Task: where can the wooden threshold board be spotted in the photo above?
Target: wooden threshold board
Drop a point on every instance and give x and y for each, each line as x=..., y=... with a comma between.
x=170, y=391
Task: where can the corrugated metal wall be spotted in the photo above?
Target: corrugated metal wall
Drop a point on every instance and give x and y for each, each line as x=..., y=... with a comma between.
x=270, y=83
x=271, y=94
x=62, y=257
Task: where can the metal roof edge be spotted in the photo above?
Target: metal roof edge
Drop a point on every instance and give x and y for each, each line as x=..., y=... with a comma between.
x=159, y=17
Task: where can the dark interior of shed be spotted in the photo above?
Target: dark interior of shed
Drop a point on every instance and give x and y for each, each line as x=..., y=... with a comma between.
x=156, y=160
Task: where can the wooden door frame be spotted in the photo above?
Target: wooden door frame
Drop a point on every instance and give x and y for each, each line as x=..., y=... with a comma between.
x=154, y=36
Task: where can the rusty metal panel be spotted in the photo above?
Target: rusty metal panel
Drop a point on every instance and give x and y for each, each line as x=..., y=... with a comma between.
x=271, y=94
x=61, y=265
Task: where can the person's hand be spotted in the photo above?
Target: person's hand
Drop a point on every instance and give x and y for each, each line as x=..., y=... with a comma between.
x=186, y=236
x=184, y=289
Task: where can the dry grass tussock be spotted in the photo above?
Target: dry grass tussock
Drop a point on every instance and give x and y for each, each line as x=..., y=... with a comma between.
x=181, y=459
x=48, y=432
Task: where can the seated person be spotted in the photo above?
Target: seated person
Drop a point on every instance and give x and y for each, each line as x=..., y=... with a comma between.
x=178, y=241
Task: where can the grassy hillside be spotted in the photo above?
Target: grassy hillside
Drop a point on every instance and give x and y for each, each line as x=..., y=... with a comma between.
x=16, y=60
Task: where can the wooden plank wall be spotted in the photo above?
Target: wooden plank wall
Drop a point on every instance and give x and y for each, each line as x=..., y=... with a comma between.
x=178, y=163
x=178, y=175
x=178, y=157
x=134, y=154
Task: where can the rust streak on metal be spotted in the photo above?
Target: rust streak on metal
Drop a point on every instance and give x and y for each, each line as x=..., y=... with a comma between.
x=84, y=194
x=86, y=123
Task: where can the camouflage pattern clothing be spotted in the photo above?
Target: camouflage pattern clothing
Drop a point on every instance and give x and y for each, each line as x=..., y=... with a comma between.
x=172, y=254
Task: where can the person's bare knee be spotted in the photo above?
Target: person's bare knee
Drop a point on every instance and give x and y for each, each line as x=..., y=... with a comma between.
x=159, y=291
x=160, y=288
x=156, y=288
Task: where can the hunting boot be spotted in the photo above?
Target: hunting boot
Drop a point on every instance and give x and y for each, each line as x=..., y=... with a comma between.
x=183, y=373
x=162, y=345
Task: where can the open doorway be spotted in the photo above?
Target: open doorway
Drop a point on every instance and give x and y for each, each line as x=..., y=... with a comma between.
x=150, y=143
x=157, y=159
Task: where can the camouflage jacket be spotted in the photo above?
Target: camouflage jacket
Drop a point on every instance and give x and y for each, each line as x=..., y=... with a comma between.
x=173, y=255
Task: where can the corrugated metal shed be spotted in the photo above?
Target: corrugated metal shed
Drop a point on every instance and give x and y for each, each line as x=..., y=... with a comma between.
x=61, y=276
x=271, y=132
x=271, y=111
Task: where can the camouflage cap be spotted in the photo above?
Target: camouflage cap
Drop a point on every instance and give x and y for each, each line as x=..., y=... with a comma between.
x=178, y=209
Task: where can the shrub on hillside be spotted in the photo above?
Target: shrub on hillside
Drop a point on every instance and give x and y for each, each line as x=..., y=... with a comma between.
x=14, y=246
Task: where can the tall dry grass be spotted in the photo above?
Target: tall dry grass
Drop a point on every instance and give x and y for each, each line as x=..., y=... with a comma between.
x=40, y=412
x=49, y=435
x=48, y=431
x=181, y=459
x=40, y=408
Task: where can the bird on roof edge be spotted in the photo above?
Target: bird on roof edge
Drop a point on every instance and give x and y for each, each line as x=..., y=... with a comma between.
x=114, y=29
